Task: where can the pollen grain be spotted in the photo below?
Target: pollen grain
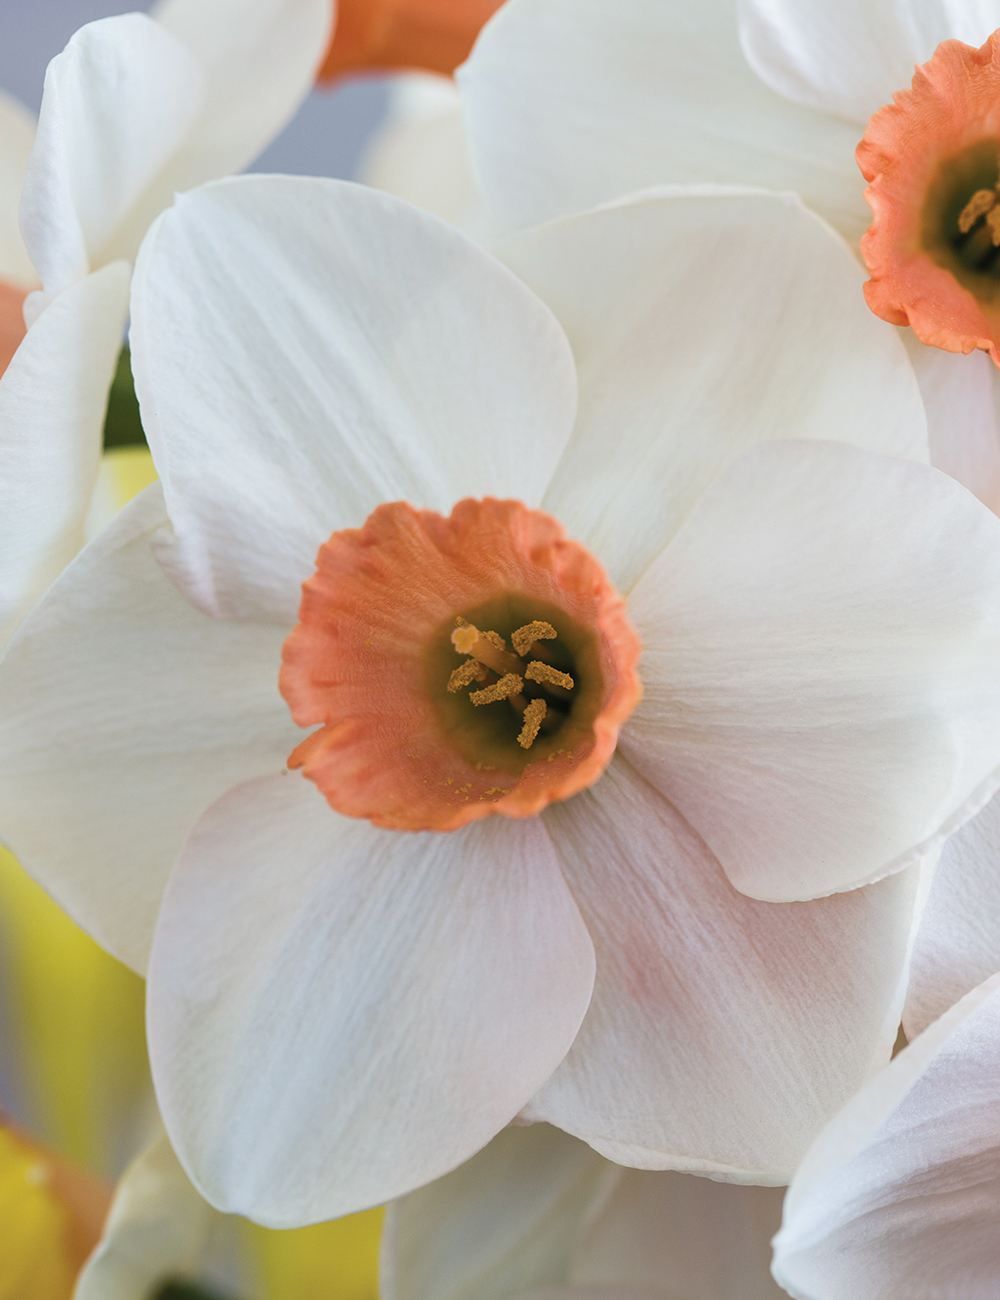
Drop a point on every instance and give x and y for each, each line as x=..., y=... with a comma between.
x=533, y=716
x=509, y=684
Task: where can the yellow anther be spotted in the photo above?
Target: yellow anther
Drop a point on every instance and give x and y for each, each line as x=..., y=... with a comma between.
x=471, y=671
x=536, y=671
x=509, y=684
x=993, y=221
x=495, y=639
x=523, y=637
x=980, y=203
x=533, y=716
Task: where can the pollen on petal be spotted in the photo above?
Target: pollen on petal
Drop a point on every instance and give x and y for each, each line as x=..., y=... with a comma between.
x=404, y=614
x=932, y=160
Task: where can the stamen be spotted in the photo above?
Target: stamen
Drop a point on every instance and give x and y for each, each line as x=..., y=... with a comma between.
x=545, y=673
x=533, y=716
x=488, y=647
x=509, y=684
x=537, y=631
x=993, y=221
x=471, y=671
x=980, y=203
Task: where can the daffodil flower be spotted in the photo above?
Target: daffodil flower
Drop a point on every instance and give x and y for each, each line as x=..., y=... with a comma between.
x=571, y=104
x=900, y=1194
x=680, y=426
x=538, y=1214
x=134, y=109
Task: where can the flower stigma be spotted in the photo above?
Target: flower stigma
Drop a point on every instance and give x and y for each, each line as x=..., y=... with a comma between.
x=459, y=666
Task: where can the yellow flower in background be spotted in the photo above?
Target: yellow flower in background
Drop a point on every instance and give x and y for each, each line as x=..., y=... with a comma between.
x=51, y=1214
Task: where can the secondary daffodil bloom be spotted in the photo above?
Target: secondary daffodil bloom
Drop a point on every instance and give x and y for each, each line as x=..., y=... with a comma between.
x=134, y=109
x=570, y=104
x=676, y=450
x=538, y=1214
x=160, y=1232
x=900, y=1195
x=380, y=34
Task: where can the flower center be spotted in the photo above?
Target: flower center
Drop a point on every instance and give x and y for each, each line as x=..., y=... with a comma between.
x=461, y=666
x=931, y=158
x=961, y=218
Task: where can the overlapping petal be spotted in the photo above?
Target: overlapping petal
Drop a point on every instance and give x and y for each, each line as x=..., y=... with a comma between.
x=958, y=943
x=124, y=713
x=118, y=102
x=723, y=1032
x=52, y=400
x=420, y=154
x=157, y=1230
x=351, y=351
x=821, y=638
x=847, y=58
x=570, y=103
x=17, y=135
x=506, y=1222
x=259, y=58
x=900, y=1196
x=962, y=400
x=710, y=1239
x=703, y=322
x=338, y=1014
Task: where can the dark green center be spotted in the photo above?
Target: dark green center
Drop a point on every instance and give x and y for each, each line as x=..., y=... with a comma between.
x=970, y=255
x=487, y=735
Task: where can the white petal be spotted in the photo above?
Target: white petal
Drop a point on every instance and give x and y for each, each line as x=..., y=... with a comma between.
x=507, y=1221
x=570, y=103
x=17, y=135
x=123, y=713
x=710, y=1239
x=305, y=349
x=420, y=154
x=52, y=400
x=821, y=639
x=958, y=943
x=117, y=103
x=723, y=1032
x=702, y=323
x=260, y=59
x=849, y=56
x=158, y=1230
x=338, y=1014
x=962, y=399
x=900, y=1196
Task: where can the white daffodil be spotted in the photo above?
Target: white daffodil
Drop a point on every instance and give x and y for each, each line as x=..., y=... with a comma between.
x=539, y=1214
x=159, y=1230
x=570, y=103
x=419, y=154
x=958, y=942
x=134, y=109
x=900, y=1195
x=338, y=1010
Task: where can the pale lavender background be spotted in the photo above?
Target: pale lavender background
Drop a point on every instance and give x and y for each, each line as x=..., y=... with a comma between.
x=325, y=139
